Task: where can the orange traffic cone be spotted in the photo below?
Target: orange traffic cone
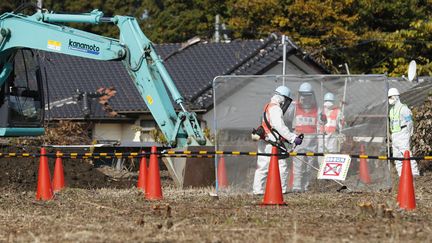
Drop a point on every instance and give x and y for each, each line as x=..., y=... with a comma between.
x=291, y=176
x=44, y=189
x=142, y=176
x=273, y=194
x=153, y=183
x=364, y=170
x=58, y=182
x=221, y=174
x=406, y=195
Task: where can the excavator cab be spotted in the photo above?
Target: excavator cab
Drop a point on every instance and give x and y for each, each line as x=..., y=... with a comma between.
x=21, y=96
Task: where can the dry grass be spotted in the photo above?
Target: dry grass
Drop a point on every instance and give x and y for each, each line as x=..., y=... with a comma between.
x=123, y=215
x=95, y=208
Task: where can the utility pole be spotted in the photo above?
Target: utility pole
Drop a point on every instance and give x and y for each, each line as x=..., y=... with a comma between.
x=345, y=86
x=283, y=59
x=217, y=26
x=39, y=5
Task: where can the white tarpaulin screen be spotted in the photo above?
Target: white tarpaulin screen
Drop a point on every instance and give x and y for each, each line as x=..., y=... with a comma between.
x=238, y=108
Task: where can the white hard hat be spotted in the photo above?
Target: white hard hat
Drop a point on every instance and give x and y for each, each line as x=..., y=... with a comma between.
x=284, y=91
x=305, y=88
x=329, y=97
x=393, y=92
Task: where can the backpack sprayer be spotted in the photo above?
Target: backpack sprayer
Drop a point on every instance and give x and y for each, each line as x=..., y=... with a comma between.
x=260, y=134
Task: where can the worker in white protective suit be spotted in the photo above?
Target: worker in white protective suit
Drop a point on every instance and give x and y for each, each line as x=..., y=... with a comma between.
x=401, y=128
x=305, y=121
x=331, y=119
x=276, y=132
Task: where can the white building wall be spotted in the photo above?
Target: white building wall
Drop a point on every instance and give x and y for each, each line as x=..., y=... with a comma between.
x=129, y=133
x=122, y=132
x=107, y=131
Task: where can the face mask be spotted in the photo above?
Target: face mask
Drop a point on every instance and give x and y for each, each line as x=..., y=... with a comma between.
x=286, y=104
x=392, y=100
x=328, y=104
x=306, y=101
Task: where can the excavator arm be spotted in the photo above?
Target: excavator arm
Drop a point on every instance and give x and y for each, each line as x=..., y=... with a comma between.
x=44, y=31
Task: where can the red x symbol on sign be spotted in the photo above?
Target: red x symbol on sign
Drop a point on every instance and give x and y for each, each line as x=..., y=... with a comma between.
x=332, y=169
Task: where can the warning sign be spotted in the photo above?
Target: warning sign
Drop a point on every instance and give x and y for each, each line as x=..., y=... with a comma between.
x=334, y=166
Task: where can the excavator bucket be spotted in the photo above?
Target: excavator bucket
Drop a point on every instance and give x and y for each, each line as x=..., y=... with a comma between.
x=192, y=171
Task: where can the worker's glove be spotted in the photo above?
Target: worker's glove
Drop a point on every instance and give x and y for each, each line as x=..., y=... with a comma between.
x=299, y=139
x=323, y=118
x=258, y=133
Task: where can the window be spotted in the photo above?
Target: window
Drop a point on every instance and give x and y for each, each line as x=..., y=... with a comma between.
x=147, y=125
x=25, y=91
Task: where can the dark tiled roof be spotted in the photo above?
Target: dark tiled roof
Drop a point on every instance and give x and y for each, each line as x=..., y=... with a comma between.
x=192, y=69
x=417, y=95
x=195, y=68
x=412, y=94
x=66, y=74
x=358, y=91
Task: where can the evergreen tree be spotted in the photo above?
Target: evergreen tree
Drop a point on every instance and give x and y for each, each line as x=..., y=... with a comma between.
x=372, y=36
x=178, y=21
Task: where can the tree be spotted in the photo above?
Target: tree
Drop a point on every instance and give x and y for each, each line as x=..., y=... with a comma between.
x=178, y=21
x=253, y=18
x=7, y=6
x=321, y=27
x=372, y=36
x=391, y=34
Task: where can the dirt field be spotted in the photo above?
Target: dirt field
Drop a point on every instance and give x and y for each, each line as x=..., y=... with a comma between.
x=99, y=208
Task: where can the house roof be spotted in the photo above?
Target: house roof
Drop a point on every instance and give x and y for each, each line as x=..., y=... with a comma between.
x=66, y=74
x=413, y=94
x=376, y=93
x=192, y=68
x=419, y=92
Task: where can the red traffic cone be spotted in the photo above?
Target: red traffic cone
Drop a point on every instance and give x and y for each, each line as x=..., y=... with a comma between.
x=406, y=195
x=58, y=182
x=291, y=176
x=44, y=189
x=142, y=176
x=153, y=183
x=273, y=193
x=364, y=170
x=221, y=174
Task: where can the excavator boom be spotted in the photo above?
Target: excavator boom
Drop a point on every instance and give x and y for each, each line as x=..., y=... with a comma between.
x=21, y=94
x=44, y=31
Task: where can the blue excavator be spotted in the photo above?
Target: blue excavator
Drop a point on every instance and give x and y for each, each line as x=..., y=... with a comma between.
x=21, y=97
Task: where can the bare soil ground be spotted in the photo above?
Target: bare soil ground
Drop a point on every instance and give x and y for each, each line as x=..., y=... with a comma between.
x=99, y=208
